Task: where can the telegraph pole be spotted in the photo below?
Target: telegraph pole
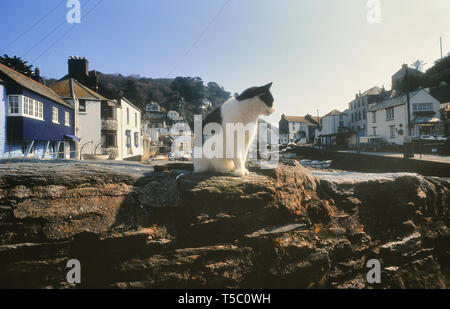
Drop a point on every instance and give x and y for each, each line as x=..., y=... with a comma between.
x=441, y=47
x=408, y=145
x=408, y=99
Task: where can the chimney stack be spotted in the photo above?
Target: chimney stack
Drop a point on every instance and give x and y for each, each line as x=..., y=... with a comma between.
x=78, y=68
x=37, y=76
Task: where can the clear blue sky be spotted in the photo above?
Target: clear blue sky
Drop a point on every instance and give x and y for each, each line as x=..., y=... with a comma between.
x=318, y=53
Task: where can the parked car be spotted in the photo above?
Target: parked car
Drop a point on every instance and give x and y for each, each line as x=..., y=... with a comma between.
x=440, y=138
x=427, y=138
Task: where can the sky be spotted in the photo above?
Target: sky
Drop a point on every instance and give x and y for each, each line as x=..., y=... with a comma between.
x=318, y=53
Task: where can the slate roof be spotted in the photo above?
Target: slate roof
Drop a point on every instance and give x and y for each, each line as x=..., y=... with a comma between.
x=32, y=85
x=64, y=89
x=302, y=119
x=334, y=112
x=392, y=102
x=372, y=91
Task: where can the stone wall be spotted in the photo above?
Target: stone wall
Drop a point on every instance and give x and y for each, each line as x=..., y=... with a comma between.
x=132, y=227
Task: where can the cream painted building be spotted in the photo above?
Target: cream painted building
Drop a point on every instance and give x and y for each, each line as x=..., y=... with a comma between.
x=389, y=118
x=129, y=132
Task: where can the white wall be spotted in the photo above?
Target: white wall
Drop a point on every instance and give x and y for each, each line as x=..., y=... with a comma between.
x=89, y=126
x=295, y=127
x=3, y=112
x=383, y=126
x=400, y=118
x=131, y=125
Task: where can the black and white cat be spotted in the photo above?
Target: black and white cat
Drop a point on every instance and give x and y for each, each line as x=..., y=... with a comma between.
x=243, y=109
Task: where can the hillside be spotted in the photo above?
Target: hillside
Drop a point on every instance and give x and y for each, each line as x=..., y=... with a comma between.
x=186, y=95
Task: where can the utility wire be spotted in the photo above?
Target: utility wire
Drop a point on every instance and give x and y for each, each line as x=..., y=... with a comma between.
x=48, y=35
x=66, y=33
x=198, y=38
x=34, y=25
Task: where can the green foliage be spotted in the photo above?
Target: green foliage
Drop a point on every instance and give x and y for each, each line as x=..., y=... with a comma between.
x=17, y=64
x=186, y=95
x=437, y=73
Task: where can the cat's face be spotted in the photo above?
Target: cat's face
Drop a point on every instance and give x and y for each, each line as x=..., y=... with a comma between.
x=262, y=95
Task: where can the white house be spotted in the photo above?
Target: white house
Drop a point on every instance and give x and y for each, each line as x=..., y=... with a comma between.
x=174, y=117
x=89, y=117
x=3, y=112
x=389, y=118
x=334, y=127
x=172, y=114
x=297, y=129
x=152, y=107
x=129, y=135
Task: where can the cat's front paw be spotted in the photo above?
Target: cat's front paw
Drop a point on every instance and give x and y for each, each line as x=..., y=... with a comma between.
x=238, y=173
x=241, y=173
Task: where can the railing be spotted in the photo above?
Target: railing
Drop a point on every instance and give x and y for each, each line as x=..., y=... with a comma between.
x=110, y=125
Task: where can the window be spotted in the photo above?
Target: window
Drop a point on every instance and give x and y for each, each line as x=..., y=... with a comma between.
x=390, y=114
x=419, y=107
x=41, y=110
x=13, y=101
x=67, y=119
x=26, y=109
x=128, y=115
x=30, y=107
x=33, y=108
x=364, y=114
x=36, y=108
x=82, y=106
x=374, y=131
x=109, y=140
x=55, y=115
x=392, y=131
x=135, y=120
x=374, y=117
x=128, y=135
x=136, y=139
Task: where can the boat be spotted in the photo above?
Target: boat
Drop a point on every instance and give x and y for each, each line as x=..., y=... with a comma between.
x=316, y=164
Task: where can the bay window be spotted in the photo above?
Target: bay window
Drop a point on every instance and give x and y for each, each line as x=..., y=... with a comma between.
x=13, y=104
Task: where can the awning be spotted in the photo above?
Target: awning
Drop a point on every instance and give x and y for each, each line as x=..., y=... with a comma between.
x=423, y=120
x=72, y=137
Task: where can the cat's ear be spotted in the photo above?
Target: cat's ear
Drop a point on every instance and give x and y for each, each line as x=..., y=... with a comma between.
x=267, y=87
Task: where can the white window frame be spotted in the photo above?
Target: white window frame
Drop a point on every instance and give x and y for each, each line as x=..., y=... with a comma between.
x=30, y=107
x=41, y=111
x=55, y=112
x=392, y=131
x=67, y=119
x=26, y=106
x=390, y=115
x=12, y=109
x=422, y=107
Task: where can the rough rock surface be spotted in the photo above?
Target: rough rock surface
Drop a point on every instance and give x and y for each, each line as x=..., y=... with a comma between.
x=133, y=227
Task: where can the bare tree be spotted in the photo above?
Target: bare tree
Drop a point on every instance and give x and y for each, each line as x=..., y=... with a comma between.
x=418, y=65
